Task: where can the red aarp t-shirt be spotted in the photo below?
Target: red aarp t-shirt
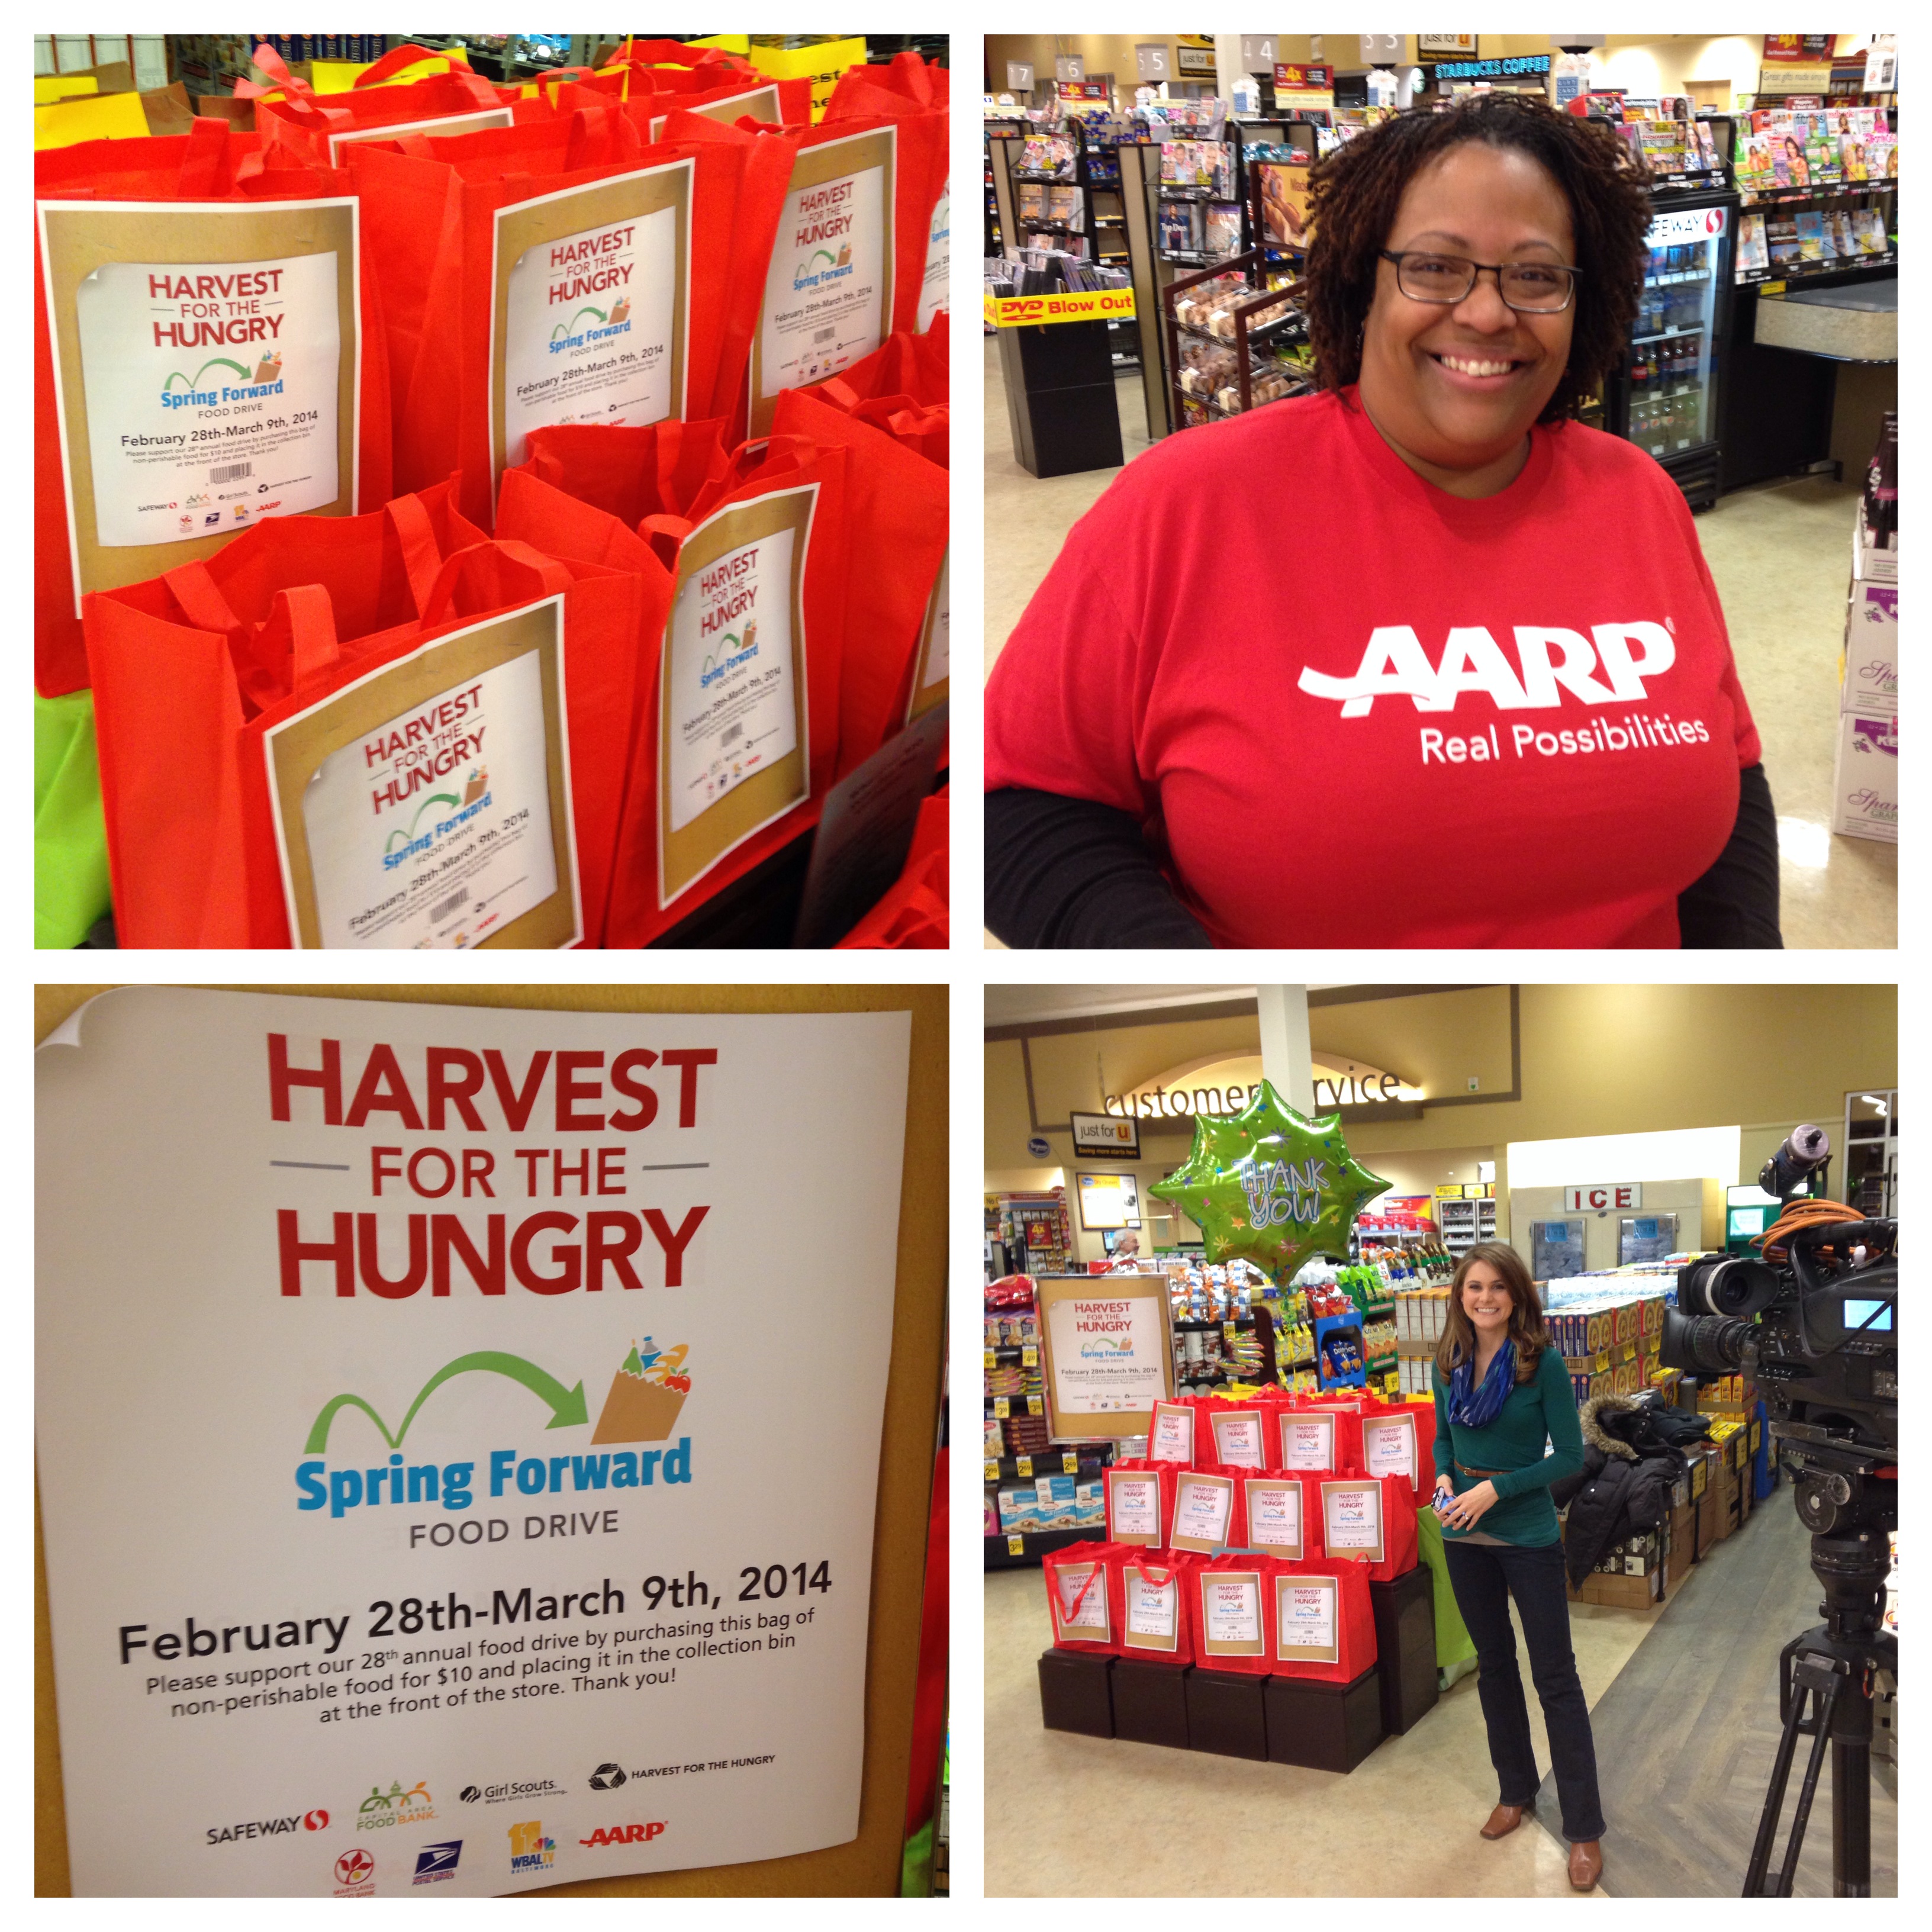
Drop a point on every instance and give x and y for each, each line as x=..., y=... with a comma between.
x=1360, y=711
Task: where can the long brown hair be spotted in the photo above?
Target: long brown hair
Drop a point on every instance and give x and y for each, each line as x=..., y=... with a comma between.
x=1526, y=1330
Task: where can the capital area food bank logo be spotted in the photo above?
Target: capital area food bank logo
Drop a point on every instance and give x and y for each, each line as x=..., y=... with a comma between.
x=354, y=1874
x=647, y=1397
x=395, y=1807
x=529, y=1850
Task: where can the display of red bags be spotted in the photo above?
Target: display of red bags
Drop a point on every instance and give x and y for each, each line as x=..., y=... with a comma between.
x=1308, y=1438
x=898, y=624
x=218, y=308
x=1369, y=1520
x=1153, y=1591
x=1080, y=1601
x=1237, y=1433
x=913, y=912
x=1400, y=1438
x=528, y=261
x=736, y=753
x=1324, y=1622
x=250, y=709
x=1234, y=1613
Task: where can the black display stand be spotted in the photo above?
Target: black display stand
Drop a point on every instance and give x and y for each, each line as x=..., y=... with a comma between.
x=1075, y=1694
x=1060, y=402
x=1151, y=1702
x=1225, y=1713
x=1324, y=1727
x=1405, y=1609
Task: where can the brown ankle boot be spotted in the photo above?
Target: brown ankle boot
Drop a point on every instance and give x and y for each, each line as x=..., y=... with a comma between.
x=1586, y=1864
x=1503, y=1820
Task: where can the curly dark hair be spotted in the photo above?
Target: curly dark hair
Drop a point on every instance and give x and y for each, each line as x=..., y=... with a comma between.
x=1356, y=190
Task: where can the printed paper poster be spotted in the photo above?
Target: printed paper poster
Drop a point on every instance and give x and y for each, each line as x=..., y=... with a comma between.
x=1153, y=1611
x=1173, y=1437
x=1307, y=1441
x=426, y=804
x=934, y=292
x=1231, y=1606
x=1352, y=1520
x=828, y=289
x=1133, y=1507
x=592, y=300
x=205, y=370
x=1305, y=1620
x=1389, y=1446
x=415, y=1515
x=1237, y=1440
x=1109, y=1351
x=1201, y=1509
x=1274, y=1515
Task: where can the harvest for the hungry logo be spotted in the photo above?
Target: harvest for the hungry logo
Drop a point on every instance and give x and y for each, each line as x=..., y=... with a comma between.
x=823, y=234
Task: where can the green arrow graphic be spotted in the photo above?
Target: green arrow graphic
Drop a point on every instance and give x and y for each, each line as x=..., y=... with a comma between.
x=435, y=798
x=214, y=362
x=567, y=1405
x=569, y=328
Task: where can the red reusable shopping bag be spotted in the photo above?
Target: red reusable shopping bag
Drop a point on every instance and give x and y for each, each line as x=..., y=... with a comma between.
x=1085, y=1614
x=897, y=629
x=1129, y=1501
x=1325, y=1622
x=1347, y=1525
x=633, y=476
x=736, y=747
x=289, y=113
x=1266, y=1523
x=905, y=369
x=194, y=672
x=1234, y=1613
x=905, y=93
x=1398, y=1439
x=1154, y=1603
x=531, y=262
x=133, y=246
x=1171, y=1437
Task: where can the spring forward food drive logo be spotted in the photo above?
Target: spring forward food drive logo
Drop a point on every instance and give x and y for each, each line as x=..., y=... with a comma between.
x=647, y=1397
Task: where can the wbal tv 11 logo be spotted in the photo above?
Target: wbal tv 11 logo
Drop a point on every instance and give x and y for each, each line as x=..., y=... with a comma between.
x=646, y=1398
x=529, y=1850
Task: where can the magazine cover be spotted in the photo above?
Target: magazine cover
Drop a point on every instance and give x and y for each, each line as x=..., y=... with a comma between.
x=1223, y=230
x=1811, y=243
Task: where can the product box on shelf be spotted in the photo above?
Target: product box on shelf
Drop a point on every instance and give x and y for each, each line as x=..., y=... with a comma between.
x=1868, y=663
x=1864, y=778
x=1051, y=1502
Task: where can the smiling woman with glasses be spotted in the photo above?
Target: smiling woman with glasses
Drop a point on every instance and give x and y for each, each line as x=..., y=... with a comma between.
x=1420, y=661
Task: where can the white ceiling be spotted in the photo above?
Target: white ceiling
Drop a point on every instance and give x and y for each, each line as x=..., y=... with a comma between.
x=1008, y=1005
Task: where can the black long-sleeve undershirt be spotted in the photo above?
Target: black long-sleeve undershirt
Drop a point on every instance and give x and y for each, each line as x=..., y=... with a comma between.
x=1068, y=872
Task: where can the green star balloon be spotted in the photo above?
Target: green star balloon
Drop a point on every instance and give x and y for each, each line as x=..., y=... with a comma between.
x=1269, y=1185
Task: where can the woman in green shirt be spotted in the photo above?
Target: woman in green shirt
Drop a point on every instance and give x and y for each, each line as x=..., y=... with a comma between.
x=1500, y=1391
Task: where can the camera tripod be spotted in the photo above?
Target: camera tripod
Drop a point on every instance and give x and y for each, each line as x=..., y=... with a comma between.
x=1830, y=1670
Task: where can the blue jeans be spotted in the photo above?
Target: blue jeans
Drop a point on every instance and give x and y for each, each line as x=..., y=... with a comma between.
x=1484, y=1577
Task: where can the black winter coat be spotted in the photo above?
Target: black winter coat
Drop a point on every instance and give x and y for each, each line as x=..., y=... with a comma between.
x=1625, y=1485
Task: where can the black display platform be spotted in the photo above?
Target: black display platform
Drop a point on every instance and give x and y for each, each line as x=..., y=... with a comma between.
x=1075, y=1694
x=1405, y=1609
x=1323, y=1727
x=1151, y=1702
x=1224, y=1715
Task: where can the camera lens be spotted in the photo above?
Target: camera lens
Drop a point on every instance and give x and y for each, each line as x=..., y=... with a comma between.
x=1709, y=1344
x=1729, y=1285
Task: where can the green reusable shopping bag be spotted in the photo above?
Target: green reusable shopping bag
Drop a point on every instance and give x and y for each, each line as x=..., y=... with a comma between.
x=70, y=835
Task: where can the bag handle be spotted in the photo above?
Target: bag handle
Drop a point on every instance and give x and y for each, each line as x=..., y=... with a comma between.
x=396, y=59
x=664, y=532
x=416, y=536
x=301, y=623
x=1067, y=1616
x=554, y=576
x=280, y=79
x=558, y=76
x=201, y=164
x=193, y=587
x=1138, y=1565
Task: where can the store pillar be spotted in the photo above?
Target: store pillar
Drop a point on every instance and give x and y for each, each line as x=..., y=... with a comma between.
x=1288, y=1060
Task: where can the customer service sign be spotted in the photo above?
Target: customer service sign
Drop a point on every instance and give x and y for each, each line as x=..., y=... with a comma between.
x=423, y=1395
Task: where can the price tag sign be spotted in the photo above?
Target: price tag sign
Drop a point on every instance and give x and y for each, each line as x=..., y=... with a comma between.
x=1016, y=1546
x=1025, y=1466
x=1070, y=1463
x=992, y=1469
x=1029, y=1358
x=1035, y=1406
x=1002, y=1407
x=991, y=1355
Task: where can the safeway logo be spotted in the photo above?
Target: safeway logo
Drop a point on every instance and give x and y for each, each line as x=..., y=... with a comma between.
x=623, y=1834
x=1547, y=660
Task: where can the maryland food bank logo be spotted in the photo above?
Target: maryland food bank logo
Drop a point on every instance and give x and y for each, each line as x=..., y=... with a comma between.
x=644, y=1404
x=395, y=1807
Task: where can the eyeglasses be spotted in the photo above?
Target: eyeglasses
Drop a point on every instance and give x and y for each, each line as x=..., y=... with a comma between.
x=1530, y=288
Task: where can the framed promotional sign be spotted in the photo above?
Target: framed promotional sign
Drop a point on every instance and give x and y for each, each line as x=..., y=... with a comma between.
x=1109, y=1201
x=1305, y=1623
x=1107, y=1351
x=413, y=1516
x=734, y=737
x=1389, y=1446
x=427, y=804
x=1238, y=1438
x=828, y=300
x=207, y=364
x=1231, y=1613
x=1105, y=1136
x=1274, y=1517
x=591, y=290
x=1351, y=1521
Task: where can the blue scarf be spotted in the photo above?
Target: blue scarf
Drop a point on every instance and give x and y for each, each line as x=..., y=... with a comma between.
x=1475, y=1407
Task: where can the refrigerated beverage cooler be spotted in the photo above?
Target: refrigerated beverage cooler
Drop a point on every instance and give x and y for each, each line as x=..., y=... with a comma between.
x=1666, y=400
